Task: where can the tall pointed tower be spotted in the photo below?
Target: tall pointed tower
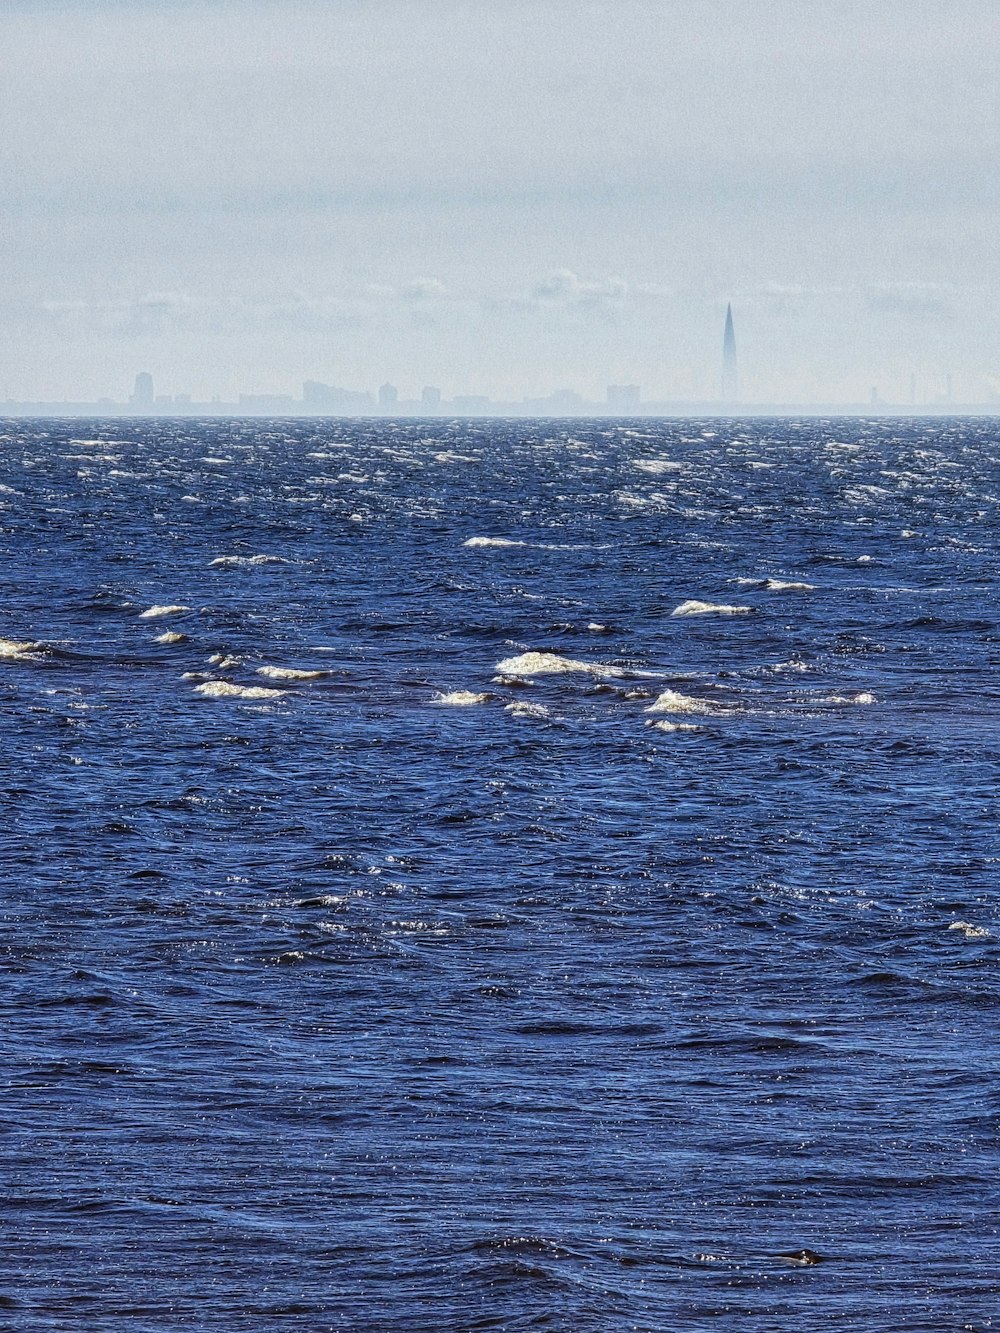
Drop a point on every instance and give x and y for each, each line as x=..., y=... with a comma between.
x=730, y=381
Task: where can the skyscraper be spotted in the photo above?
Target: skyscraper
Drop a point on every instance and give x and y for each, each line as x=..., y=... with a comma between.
x=142, y=396
x=730, y=381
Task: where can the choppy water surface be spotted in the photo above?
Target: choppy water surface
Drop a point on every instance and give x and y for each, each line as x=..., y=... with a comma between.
x=411, y=921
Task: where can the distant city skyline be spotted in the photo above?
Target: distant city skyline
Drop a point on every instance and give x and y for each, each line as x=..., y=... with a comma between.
x=500, y=200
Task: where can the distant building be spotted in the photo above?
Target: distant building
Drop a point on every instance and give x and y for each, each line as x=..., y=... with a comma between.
x=143, y=398
x=564, y=402
x=430, y=399
x=320, y=398
x=472, y=404
x=730, y=379
x=623, y=397
x=388, y=397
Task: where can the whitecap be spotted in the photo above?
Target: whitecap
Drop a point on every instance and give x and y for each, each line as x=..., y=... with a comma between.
x=788, y=585
x=863, y=697
x=153, y=612
x=289, y=673
x=672, y=701
x=970, y=931
x=14, y=650
x=657, y=466
x=520, y=709
x=696, y=608
x=232, y=561
x=551, y=664
x=665, y=725
x=225, y=662
x=223, y=689
x=492, y=541
x=170, y=636
x=461, y=698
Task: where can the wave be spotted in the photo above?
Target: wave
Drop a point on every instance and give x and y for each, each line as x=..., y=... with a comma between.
x=16, y=650
x=970, y=931
x=520, y=709
x=788, y=585
x=696, y=608
x=657, y=466
x=672, y=701
x=289, y=673
x=223, y=689
x=863, y=697
x=233, y=561
x=552, y=664
x=534, y=546
x=665, y=725
x=224, y=661
x=154, y=612
x=170, y=636
x=776, y=585
x=462, y=698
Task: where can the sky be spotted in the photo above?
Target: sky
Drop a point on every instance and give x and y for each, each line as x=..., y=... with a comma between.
x=502, y=197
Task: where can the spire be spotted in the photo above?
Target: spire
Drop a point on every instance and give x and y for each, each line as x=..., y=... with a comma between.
x=730, y=382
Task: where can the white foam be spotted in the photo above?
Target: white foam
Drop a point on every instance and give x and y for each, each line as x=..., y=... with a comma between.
x=448, y=457
x=289, y=673
x=170, y=636
x=223, y=689
x=596, y=627
x=863, y=697
x=461, y=698
x=492, y=541
x=657, y=466
x=14, y=650
x=520, y=709
x=672, y=701
x=696, y=608
x=788, y=585
x=154, y=612
x=675, y=726
x=552, y=664
x=224, y=661
x=232, y=561
x=970, y=931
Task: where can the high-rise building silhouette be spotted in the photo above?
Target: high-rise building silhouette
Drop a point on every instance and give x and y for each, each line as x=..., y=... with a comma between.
x=388, y=397
x=143, y=397
x=730, y=380
x=430, y=398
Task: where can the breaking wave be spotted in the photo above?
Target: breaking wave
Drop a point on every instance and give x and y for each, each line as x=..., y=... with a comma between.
x=552, y=664
x=223, y=689
x=696, y=608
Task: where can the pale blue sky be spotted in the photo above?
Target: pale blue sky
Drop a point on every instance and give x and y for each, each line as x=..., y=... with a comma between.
x=506, y=196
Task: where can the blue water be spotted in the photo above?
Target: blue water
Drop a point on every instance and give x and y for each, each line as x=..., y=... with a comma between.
x=425, y=995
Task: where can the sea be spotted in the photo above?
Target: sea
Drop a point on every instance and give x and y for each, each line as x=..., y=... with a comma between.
x=495, y=874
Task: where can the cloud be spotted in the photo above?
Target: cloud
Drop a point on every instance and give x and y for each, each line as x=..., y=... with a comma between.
x=424, y=289
x=913, y=300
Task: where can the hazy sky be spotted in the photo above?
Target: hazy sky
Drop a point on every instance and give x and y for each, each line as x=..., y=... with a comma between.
x=499, y=196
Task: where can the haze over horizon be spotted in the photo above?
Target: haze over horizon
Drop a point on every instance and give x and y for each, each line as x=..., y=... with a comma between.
x=503, y=199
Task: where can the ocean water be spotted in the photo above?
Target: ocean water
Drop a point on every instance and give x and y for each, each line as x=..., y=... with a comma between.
x=500, y=875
